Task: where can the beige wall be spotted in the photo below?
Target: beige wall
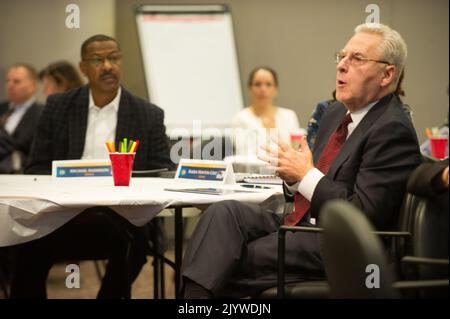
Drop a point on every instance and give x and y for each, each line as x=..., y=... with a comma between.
x=296, y=37
x=34, y=31
x=299, y=37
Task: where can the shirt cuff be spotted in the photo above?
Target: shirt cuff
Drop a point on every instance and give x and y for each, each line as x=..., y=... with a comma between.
x=308, y=184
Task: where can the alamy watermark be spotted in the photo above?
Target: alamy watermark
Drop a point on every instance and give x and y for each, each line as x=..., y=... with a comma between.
x=73, y=18
x=374, y=16
x=214, y=144
x=73, y=279
x=373, y=277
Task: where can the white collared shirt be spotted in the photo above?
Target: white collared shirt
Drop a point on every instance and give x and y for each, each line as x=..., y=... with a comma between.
x=17, y=114
x=101, y=127
x=308, y=184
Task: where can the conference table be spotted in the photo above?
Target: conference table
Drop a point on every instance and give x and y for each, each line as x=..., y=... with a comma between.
x=32, y=206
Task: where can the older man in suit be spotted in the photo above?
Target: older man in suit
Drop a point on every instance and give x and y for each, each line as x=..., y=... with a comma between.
x=365, y=149
x=75, y=125
x=18, y=117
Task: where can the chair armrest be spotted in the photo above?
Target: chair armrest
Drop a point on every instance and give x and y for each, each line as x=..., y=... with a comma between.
x=319, y=230
x=403, y=234
x=282, y=230
x=416, y=284
x=425, y=261
x=295, y=229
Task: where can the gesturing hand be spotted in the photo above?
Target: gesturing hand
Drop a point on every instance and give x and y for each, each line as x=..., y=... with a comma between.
x=291, y=165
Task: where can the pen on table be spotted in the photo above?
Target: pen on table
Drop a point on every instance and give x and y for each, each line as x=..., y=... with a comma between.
x=255, y=186
x=158, y=170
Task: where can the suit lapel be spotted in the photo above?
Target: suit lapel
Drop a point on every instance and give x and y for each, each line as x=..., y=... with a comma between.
x=358, y=133
x=126, y=124
x=77, y=124
x=4, y=107
x=26, y=120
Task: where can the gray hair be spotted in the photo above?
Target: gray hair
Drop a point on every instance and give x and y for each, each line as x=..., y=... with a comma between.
x=393, y=48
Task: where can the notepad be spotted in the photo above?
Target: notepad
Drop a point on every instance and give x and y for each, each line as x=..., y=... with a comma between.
x=259, y=179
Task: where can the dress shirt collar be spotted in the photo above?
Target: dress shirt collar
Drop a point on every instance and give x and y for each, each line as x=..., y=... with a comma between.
x=357, y=116
x=24, y=105
x=113, y=104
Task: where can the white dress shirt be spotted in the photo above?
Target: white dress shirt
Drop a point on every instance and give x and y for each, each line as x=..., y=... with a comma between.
x=17, y=114
x=308, y=184
x=101, y=127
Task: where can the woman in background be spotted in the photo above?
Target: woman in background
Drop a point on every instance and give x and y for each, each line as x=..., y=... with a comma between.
x=263, y=114
x=59, y=77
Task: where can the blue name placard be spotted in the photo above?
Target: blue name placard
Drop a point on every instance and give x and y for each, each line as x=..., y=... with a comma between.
x=81, y=168
x=212, y=171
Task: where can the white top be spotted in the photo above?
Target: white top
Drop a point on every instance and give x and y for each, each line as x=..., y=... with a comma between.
x=308, y=184
x=250, y=126
x=101, y=127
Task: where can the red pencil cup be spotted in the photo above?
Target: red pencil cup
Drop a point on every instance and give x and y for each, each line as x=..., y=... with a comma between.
x=439, y=147
x=122, y=166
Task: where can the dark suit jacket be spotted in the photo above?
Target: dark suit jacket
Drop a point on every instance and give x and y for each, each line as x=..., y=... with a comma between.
x=373, y=165
x=425, y=179
x=62, y=129
x=22, y=137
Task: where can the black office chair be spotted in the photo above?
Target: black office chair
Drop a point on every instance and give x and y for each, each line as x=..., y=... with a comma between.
x=311, y=289
x=354, y=257
x=398, y=243
x=355, y=261
x=429, y=259
x=5, y=270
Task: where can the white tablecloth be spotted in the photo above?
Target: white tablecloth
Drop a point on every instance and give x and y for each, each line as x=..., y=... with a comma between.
x=33, y=206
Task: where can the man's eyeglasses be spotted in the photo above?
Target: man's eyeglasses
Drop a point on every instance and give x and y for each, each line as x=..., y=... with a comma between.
x=97, y=61
x=355, y=59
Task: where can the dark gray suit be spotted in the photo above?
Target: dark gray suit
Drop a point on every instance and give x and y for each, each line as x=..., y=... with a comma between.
x=233, y=251
x=22, y=137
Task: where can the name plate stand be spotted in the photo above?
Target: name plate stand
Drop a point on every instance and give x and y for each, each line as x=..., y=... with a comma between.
x=81, y=168
x=205, y=170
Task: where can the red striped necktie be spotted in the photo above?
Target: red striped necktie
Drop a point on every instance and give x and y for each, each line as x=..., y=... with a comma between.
x=326, y=158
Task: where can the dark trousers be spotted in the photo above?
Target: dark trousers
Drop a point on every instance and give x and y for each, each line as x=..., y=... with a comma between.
x=233, y=251
x=96, y=233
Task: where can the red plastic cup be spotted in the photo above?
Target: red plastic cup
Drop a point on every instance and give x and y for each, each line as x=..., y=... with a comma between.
x=122, y=166
x=296, y=138
x=439, y=147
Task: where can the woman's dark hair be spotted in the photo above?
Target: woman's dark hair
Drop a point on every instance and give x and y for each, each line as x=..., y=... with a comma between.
x=63, y=73
x=399, y=90
x=265, y=68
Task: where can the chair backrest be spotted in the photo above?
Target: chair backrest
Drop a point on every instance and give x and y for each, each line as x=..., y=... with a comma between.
x=406, y=220
x=354, y=257
x=431, y=234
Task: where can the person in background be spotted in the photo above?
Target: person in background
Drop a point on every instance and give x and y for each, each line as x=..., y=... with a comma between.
x=18, y=117
x=263, y=114
x=59, y=77
x=400, y=92
x=314, y=121
x=429, y=179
